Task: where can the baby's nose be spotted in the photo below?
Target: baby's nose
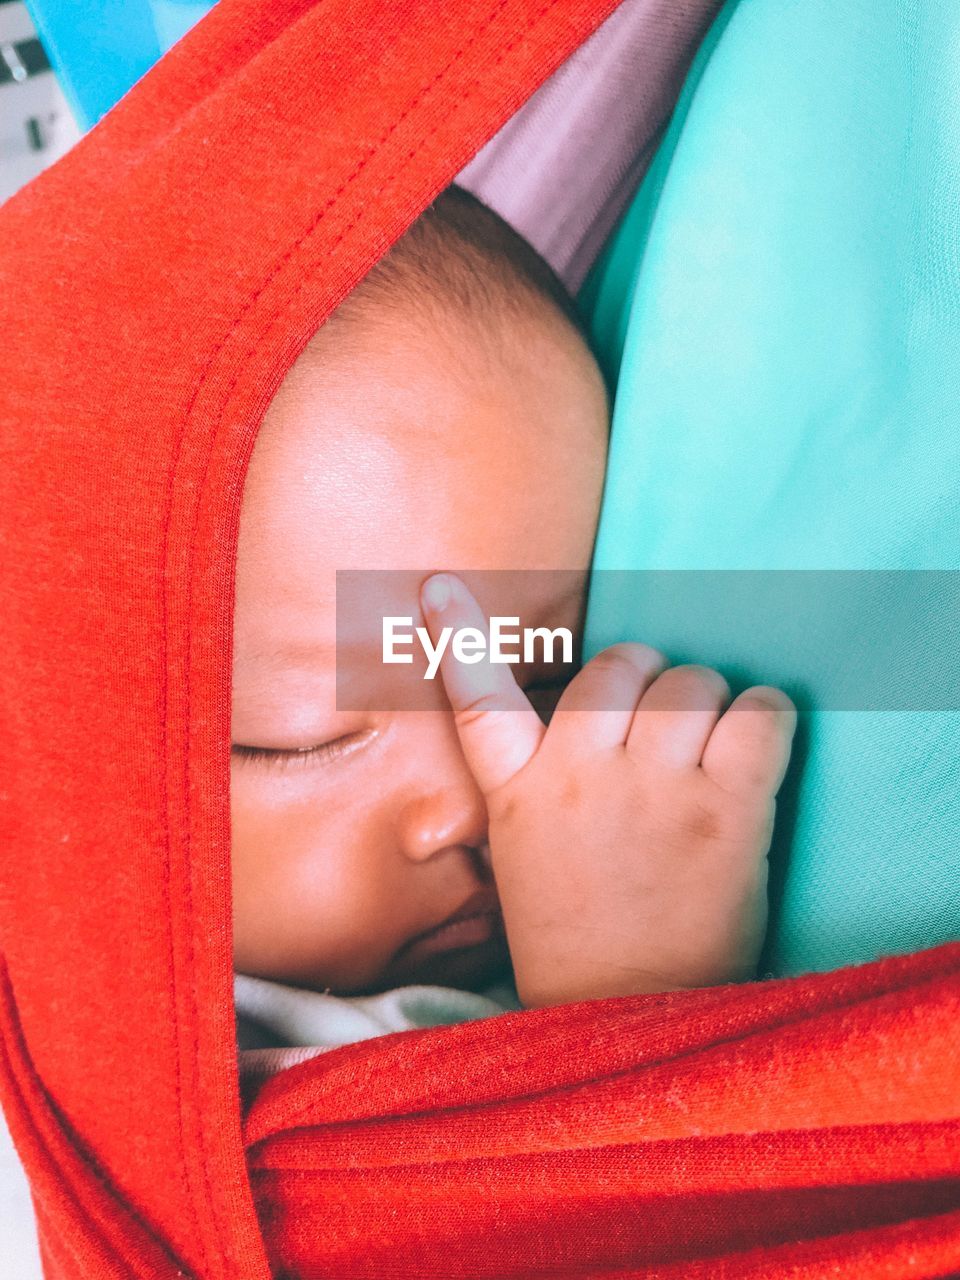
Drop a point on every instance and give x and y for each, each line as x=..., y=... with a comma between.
x=430, y=823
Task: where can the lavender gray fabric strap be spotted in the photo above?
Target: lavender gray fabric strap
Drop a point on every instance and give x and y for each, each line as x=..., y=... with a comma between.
x=562, y=170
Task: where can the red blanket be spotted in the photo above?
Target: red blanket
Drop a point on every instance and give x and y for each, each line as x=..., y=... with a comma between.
x=159, y=282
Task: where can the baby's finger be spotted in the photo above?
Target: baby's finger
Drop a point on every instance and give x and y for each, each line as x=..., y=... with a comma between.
x=609, y=688
x=749, y=750
x=676, y=716
x=499, y=729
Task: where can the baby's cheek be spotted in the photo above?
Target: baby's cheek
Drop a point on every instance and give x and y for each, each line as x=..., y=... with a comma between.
x=270, y=874
x=321, y=893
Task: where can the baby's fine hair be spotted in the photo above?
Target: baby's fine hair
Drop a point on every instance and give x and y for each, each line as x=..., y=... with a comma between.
x=460, y=253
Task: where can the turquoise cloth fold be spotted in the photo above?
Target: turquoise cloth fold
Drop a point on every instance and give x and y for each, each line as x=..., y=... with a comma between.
x=780, y=313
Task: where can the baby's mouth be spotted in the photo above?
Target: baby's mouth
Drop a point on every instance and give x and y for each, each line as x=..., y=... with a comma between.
x=471, y=932
x=478, y=921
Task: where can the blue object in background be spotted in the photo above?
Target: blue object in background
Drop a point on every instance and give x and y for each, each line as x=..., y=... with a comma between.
x=174, y=18
x=100, y=48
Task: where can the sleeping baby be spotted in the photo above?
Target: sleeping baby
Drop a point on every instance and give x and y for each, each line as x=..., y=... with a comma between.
x=529, y=838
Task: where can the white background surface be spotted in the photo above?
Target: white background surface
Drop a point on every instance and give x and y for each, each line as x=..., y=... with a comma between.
x=18, y=1232
x=39, y=98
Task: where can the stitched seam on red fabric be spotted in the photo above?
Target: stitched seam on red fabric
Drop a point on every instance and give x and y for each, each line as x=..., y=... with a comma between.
x=24, y=1112
x=891, y=1131
x=888, y=1133
x=200, y=384
x=737, y=1037
x=165, y=809
x=348, y=181
x=346, y=230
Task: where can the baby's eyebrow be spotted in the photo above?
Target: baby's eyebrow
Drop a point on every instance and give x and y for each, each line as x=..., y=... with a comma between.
x=288, y=651
x=294, y=652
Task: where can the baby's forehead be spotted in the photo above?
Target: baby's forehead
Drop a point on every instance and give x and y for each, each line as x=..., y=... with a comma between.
x=386, y=390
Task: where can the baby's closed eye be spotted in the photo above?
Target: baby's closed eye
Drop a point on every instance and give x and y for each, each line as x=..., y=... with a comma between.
x=293, y=757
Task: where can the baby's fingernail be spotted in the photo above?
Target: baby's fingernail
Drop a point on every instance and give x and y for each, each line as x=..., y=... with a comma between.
x=436, y=592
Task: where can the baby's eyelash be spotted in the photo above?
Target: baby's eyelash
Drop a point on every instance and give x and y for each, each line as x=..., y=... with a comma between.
x=278, y=758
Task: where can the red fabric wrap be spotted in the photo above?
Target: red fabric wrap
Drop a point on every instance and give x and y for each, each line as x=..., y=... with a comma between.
x=159, y=282
x=796, y=1128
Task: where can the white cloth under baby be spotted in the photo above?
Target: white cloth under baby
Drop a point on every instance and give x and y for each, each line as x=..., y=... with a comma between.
x=279, y=1026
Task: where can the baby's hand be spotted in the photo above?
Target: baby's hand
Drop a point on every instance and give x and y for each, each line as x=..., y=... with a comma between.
x=629, y=847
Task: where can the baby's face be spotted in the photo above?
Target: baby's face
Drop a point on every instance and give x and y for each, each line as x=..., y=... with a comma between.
x=403, y=445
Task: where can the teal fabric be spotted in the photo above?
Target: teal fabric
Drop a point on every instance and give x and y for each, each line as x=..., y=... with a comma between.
x=780, y=313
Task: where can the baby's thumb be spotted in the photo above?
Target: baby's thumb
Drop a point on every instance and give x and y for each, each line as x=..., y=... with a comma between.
x=498, y=727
